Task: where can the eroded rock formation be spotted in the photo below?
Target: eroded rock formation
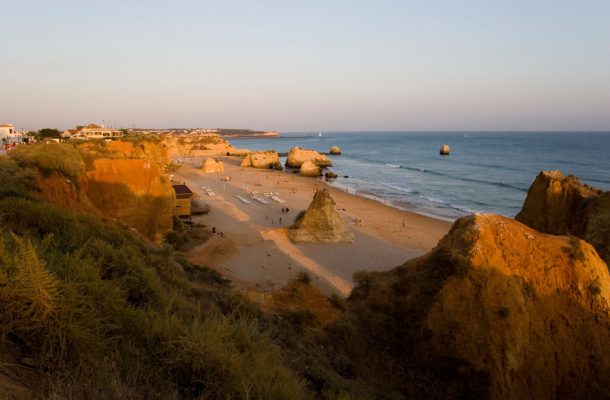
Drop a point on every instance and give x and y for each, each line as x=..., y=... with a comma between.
x=308, y=168
x=268, y=159
x=496, y=310
x=212, y=165
x=562, y=205
x=445, y=150
x=134, y=192
x=122, y=182
x=335, y=150
x=297, y=156
x=321, y=222
x=202, y=145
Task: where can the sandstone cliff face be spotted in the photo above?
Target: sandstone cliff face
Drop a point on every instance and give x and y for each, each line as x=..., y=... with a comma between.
x=561, y=205
x=308, y=168
x=124, y=182
x=198, y=146
x=495, y=310
x=134, y=192
x=320, y=223
x=297, y=156
x=268, y=159
x=149, y=150
x=212, y=165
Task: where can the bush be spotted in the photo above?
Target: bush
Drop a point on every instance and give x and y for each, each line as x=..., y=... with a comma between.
x=106, y=315
x=50, y=157
x=304, y=277
x=15, y=181
x=337, y=301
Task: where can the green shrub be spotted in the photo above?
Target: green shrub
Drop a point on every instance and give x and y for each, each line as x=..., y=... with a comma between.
x=15, y=181
x=50, y=157
x=107, y=315
x=337, y=301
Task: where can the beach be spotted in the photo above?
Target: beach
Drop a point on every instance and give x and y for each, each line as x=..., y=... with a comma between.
x=251, y=246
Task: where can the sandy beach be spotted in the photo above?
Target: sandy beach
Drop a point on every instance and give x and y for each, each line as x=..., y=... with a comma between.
x=253, y=249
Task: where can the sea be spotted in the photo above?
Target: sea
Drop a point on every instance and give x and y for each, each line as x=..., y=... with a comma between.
x=486, y=172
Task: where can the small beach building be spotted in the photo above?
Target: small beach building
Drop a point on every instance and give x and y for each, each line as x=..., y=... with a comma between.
x=184, y=196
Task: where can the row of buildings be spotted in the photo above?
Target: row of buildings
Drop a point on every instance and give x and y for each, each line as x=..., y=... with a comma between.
x=91, y=131
x=8, y=133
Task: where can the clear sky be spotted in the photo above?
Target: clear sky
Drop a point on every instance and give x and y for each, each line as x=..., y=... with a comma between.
x=307, y=65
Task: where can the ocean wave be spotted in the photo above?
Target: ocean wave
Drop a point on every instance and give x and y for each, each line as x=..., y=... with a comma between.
x=393, y=165
x=493, y=183
x=398, y=188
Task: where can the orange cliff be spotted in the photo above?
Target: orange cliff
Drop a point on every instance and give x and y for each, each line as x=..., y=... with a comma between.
x=496, y=310
x=125, y=183
x=562, y=205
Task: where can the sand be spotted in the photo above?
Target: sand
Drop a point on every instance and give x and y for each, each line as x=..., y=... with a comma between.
x=255, y=251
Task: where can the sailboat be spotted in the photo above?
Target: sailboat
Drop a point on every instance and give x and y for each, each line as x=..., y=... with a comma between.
x=320, y=134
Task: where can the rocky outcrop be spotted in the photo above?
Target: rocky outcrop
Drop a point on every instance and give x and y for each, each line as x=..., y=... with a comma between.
x=562, y=205
x=335, y=150
x=212, y=165
x=496, y=310
x=320, y=223
x=122, y=181
x=149, y=149
x=268, y=159
x=198, y=145
x=330, y=175
x=238, y=152
x=134, y=192
x=297, y=156
x=309, y=169
x=445, y=150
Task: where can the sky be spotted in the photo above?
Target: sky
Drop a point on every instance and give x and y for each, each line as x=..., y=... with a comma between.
x=307, y=65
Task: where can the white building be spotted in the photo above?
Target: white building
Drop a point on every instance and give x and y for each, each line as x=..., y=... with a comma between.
x=8, y=134
x=92, y=131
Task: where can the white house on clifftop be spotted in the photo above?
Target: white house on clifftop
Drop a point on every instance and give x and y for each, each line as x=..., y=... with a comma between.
x=91, y=131
x=8, y=134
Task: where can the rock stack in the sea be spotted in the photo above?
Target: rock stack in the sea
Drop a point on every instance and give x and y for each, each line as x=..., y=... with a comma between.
x=297, y=156
x=445, y=150
x=320, y=223
x=330, y=175
x=268, y=159
x=497, y=310
x=562, y=205
x=212, y=165
x=335, y=150
x=309, y=169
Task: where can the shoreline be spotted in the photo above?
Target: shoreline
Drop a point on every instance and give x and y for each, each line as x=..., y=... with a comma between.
x=337, y=185
x=254, y=250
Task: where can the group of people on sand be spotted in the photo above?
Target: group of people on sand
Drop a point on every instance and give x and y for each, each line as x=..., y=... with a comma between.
x=219, y=234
